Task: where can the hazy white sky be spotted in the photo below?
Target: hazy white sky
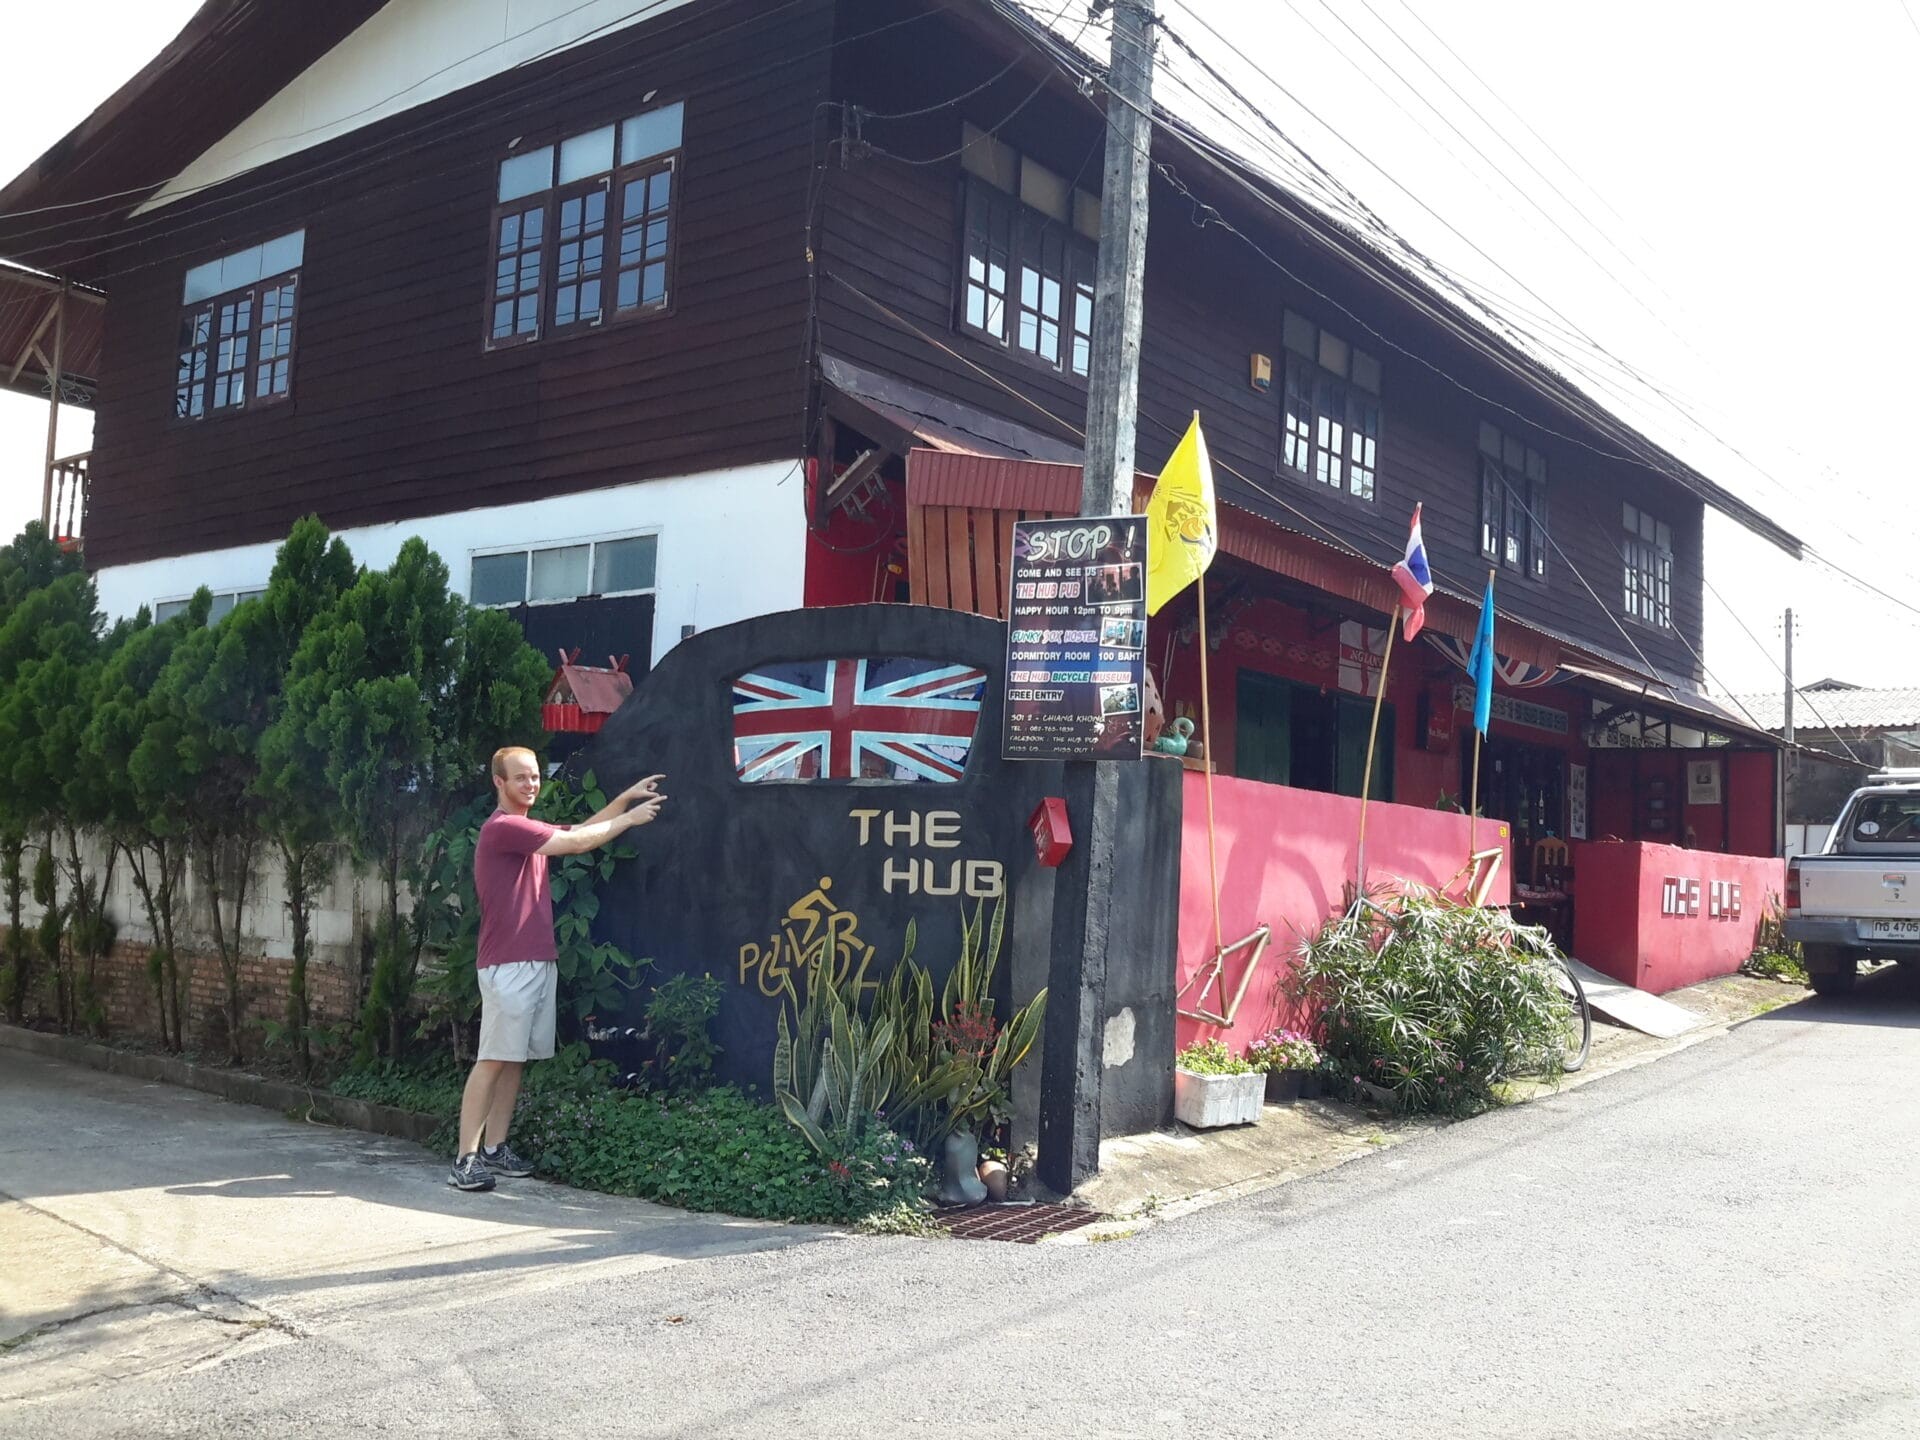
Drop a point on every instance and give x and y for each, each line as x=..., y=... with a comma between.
x=1739, y=169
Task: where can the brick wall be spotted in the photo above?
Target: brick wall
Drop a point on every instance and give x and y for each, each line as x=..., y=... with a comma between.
x=343, y=915
x=133, y=1008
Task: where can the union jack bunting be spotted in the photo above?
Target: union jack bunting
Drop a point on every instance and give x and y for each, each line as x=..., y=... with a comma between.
x=1514, y=674
x=890, y=719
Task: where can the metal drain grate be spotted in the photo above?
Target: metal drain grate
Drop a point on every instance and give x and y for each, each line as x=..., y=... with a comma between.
x=1016, y=1224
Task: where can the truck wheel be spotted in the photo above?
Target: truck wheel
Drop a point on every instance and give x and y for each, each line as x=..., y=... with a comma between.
x=1830, y=969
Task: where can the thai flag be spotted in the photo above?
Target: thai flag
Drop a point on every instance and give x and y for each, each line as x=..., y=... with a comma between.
x=1414, y=579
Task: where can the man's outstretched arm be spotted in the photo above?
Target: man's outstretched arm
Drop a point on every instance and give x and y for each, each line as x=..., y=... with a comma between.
x=595, y=833
x=640, y=790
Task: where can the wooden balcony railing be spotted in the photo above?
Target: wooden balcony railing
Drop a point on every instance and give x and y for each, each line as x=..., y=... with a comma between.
x=66, y=501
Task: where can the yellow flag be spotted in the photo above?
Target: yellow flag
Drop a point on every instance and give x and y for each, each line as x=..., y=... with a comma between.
x=1182, y=530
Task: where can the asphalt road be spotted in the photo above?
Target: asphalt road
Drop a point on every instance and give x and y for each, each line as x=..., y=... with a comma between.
x=1721, y=1243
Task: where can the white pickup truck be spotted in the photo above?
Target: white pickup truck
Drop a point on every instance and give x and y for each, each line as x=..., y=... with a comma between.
x=1860, y=898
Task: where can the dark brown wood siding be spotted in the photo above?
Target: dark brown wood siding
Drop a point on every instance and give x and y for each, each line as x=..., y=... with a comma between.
x=397, y=409
x=891, y=237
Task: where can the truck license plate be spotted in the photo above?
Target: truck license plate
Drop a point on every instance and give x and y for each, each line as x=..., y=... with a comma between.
x=1896, y=930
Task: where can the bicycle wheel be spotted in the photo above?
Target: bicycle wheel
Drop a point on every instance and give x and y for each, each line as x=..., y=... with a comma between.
x=1580, y=1028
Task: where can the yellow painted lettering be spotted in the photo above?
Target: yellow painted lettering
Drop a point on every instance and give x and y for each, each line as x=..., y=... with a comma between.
x=943, y=829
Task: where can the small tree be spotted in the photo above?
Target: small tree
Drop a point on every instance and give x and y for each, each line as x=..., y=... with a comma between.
x=49, y=648
x=30, y=563
x=394, y=691
x=130, y=786
x=245, y=695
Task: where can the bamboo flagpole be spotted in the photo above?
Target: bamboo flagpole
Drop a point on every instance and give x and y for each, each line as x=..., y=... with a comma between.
x=1373, y=740
x=1206, y=766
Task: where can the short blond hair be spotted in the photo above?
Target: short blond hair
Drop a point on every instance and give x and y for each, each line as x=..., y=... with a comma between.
x=506, y=752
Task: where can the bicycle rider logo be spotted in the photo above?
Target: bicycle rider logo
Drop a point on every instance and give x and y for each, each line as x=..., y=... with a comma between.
x=814, y=930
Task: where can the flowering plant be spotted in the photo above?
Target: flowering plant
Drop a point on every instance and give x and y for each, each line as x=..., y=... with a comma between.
x=1284, y=1050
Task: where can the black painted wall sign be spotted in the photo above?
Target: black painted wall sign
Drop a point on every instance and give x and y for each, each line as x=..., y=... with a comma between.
x=1076, y=644
x=833, y=774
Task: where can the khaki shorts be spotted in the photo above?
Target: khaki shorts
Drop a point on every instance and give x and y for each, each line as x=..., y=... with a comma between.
x=517, y=1003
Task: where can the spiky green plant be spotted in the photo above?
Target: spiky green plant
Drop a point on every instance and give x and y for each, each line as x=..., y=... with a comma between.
x=1434, y=1001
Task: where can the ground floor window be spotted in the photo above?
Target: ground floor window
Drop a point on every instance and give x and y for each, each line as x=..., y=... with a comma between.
x=1286, y=733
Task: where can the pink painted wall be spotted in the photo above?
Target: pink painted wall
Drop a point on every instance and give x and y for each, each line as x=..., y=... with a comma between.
x=1660, y=917
x=1285, y=856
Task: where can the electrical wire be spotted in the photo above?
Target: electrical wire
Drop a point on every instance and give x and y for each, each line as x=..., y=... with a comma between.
x=1748, y=632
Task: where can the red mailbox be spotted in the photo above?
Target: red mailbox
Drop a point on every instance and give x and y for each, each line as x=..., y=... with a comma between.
x=1052, y=836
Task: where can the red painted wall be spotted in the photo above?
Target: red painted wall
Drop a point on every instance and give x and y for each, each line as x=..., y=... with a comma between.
x=1285, y=856
x=1624, y=922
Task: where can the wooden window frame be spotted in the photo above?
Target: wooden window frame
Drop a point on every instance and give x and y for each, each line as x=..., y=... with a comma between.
x=210, y=349
x=1647, y=574
x=548, y=201
x=668, y=163
x=560, y=197
x=1309, y=449
x=1515, y=533
x=1028, y=235
x=541, y=203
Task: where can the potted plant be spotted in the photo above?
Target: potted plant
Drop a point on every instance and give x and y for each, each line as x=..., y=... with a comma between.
x=1288, y=1058
x=1213, y=1087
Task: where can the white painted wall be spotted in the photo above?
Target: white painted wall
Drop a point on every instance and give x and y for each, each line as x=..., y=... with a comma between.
x=409, y=53
x=732, y=545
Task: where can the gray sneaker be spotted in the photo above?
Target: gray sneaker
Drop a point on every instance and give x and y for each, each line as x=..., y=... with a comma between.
x=501, y=1160
x=470, y=1172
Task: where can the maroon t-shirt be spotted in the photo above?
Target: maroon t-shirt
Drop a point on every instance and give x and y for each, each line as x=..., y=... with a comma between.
x=510, y=879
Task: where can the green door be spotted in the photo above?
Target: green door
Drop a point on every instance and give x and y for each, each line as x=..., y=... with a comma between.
x=1355, y=722
x=1263, y=728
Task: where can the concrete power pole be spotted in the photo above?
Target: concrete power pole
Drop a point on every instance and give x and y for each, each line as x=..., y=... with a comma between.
x=1075, y=1057
x=1789, y=767
x=1113, y=382
x=1787, y=732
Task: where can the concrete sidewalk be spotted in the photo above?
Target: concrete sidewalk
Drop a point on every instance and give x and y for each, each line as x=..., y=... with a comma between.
x=1173, y=1172
x=147, y=1228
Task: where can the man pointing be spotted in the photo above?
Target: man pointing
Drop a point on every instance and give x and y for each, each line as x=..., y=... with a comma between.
x=518, y=960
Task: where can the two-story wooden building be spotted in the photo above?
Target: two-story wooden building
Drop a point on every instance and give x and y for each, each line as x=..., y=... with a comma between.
x=654, y=316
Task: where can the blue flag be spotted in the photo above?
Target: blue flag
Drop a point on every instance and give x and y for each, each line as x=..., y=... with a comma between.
x=1480, y=665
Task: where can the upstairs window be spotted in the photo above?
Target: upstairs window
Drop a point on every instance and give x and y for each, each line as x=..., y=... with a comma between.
x=1330, y=410
x=1647, y=551
x=1030, y=256
x=552, y=574
x=237, y=327
x=583, y=229
x=1513, y=503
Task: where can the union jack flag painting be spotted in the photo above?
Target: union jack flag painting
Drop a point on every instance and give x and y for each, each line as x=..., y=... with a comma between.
x=890, y=719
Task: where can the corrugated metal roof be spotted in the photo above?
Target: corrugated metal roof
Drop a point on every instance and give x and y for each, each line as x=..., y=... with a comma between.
x=1894, y=709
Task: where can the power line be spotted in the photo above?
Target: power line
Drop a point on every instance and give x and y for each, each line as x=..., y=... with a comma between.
x=1591, y=348
x=1768, y=652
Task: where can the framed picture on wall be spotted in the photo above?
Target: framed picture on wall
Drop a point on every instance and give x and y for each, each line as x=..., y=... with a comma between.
x=1703, y=782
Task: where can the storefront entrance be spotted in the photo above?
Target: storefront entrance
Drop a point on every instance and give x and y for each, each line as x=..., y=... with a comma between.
x=1300, y=735
x=1525, y=785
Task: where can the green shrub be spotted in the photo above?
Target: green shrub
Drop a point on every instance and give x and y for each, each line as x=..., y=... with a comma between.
x=1212, y=1057
x=718, y=1150
x=1434, y=1002
x=680, y=1015
x=1774, y=965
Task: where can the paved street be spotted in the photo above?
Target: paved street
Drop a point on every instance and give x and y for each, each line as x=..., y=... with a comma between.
x=1721, y=1243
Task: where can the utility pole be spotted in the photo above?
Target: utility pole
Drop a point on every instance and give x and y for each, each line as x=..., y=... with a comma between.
x=1789, y=767
x=1787, y=732
x=1075, y=1057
